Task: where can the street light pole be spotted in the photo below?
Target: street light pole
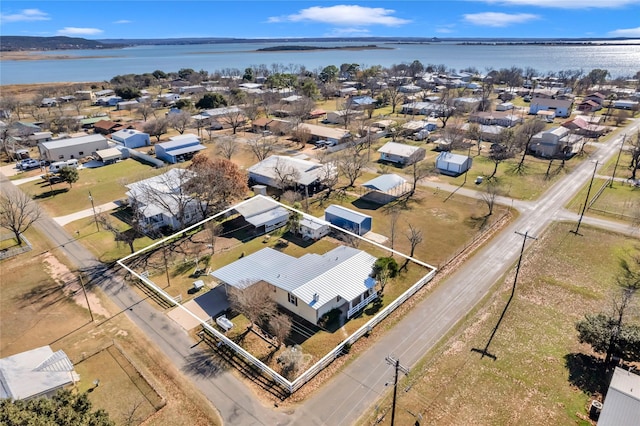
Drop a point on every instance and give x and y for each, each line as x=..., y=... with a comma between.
x=586, y=201
x=95, y=216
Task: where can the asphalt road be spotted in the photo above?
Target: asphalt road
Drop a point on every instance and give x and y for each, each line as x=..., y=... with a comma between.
x=357, y=387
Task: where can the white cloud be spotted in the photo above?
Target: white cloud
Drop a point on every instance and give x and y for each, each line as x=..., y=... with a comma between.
x=566, y=4
x=75, y=31
x=498, y=19
x=337, y=32
x=445, y=29
x=25, y=15
x=123, y=21
x=625, y=32
x=344, y=15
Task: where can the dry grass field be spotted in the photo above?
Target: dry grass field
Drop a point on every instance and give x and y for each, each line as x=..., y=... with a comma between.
x=541, y=370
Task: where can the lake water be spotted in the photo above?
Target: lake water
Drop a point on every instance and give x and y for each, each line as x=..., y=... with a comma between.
x=619, y=60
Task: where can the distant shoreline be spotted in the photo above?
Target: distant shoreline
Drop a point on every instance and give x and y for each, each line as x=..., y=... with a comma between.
x=44, y=56
x=298, y=48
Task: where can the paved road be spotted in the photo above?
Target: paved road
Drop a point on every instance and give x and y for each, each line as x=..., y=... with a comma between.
x=354, y=390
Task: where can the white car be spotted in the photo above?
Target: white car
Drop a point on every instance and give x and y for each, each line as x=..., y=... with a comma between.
x=28, y=163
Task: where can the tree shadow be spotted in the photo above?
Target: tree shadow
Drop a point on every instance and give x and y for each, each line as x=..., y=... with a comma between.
x=587, y=373
x=48, y=194
x=205, y=364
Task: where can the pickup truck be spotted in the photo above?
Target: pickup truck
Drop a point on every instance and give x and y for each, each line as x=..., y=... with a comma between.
x=28, y=163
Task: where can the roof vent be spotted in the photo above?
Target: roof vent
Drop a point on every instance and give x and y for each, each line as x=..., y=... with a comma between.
x=316, y=296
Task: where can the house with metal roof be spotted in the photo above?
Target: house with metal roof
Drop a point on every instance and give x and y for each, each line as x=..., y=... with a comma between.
x=163, y=201
x=347, y=219
x=561, y=107
x=278, y=171
x=622, y=404
x=64, y=149
x=263, y=213
x=35, y=373
x=179, y=148
x=401, y=153
x=554, y=142
x=309, y=286
x=452, y=164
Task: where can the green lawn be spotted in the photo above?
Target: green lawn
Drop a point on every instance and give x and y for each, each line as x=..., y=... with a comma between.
x=540, y=365
x=105, y=184
x=620, y=201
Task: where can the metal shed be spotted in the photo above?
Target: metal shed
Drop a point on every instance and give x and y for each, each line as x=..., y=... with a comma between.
x=453, y=164
x=347, y=219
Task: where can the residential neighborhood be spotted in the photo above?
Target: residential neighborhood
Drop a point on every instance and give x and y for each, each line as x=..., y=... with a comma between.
x=294, y=228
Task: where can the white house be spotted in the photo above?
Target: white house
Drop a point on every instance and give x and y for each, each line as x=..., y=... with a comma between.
x=561, y=107
x=35, y=373
x=339, y=117
x=63, y=149
x=131, y=138
x=309, y=286
x=278, y=170
x=263, y=213
x=625, y=104
x=312, y=228
x=401, y=153
x=163, y=201
x=553, y=142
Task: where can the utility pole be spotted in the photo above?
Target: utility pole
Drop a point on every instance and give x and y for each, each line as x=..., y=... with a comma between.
x=95, y=216
x=398, y=367
x=586, y=201
x=485, y=351
x=166, y=266
x=613, y=177
x=84, y=290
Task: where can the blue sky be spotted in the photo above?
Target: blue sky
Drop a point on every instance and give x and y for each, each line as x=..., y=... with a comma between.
x=321, y=18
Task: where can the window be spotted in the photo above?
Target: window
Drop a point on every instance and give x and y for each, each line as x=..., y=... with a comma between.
x=293, y=299
x=60, y=157
x=71, y=156
x=81, y=153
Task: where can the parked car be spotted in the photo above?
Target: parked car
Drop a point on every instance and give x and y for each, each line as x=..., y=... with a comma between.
x=28, y=163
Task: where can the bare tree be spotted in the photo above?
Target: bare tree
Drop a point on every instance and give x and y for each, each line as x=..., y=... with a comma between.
x=280, y=325
x=226, y=146
x=419, y=171
x=350, y=164
x=18, y=212
x=446, y=110
x=253, y=301
x=234, y=117
x=212, y=231
x=156, y=128
x=524, y=136
x=261, y=147
x=127, y=236
x=286, y=176
x=501, y=150
x=490, y=195
x=393, y=213
x=415, y=237
x=634, y=150
x=454, y=135
x=145, y=110
x=179, y=121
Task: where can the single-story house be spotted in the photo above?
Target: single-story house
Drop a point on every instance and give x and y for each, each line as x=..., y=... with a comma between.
x=109, y=155
x=348, y=219
x=131, y=138
x=273, y=125
x=106, y=127
x=104, y=92
x=330, y=134
x=422, y=108
x=85, y=95
x=361, y=102
x=299, y=173
x=162, y=201
x=108, y=101
x=410, y=88
x=63, y=149
x=24, y=128
x=35, y=138
x=489, y=133
x=589, y=106
x=626, y=104
x=582, y=127
x=554, y=142
x=309, y=286
x=400, y=153
x=89, y=122
x=596, y=97
x=127, y=105
x=505, y=106
x=452, y=164
x=48, y=102
x=339, y=117
x=386, y=188
x=622, y=403
x=500, y=118
x=189, y=90
x=35, y=373
x=263, y=213
x=179, y=148
x=312, y=228
x=546, y=115
x=562, y=108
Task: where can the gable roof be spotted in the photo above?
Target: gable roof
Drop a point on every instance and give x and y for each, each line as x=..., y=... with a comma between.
x=400, y=149
x=35, y=372
x=385, y=183
x=313, y=278
x=74, y=141
x=306, y=172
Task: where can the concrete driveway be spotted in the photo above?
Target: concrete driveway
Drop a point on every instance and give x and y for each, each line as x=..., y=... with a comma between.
x=209, y=305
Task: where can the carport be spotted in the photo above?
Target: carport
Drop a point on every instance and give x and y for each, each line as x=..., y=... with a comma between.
x=386, y=188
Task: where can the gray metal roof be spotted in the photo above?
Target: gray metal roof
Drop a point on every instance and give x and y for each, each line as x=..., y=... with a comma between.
x=452, y=158
x=343, y=271
x=279, y=214
x=385, y=183
x=185, y=150
x=255, y=205
x=74, y=141
x=306, y=172
x=400, y=149
x=351, y=215
x=622, y=405
x=34, y=372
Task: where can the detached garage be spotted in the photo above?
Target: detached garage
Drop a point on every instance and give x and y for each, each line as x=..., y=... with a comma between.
x=453, y=164
x=349, y=220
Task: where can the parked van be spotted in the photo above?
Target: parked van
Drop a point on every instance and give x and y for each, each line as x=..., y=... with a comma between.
x=59, y=165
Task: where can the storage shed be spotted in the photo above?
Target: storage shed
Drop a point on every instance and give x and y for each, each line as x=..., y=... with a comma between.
x=109, y=155
x=401, y=153
x=452, y=164
x=313, y=228
x=263, y=213
x=131, y=138
x=347, y=219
